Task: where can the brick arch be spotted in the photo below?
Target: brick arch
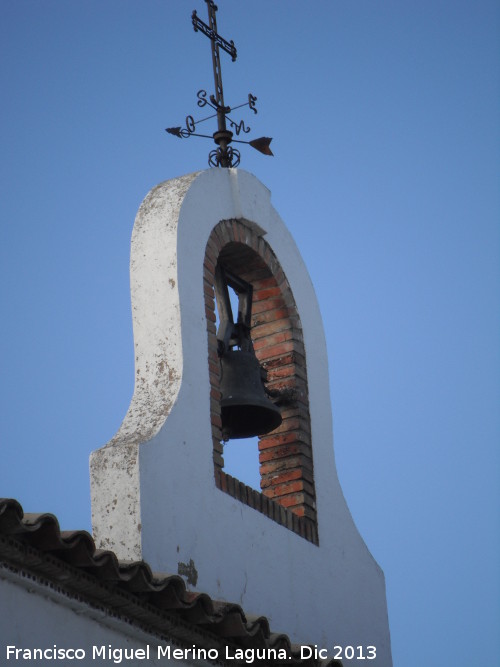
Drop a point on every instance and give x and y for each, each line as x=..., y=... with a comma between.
x=285, y=455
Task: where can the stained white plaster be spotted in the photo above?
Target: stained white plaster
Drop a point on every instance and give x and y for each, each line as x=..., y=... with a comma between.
x=153, y=490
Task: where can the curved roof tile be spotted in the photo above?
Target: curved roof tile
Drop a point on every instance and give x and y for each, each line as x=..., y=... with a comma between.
x=159, y=601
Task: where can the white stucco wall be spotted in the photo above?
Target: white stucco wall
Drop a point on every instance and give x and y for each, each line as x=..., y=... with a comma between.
x=37, y=616
x=153, y=490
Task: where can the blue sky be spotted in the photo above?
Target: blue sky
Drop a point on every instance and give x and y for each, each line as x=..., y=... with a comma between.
x=384, y=117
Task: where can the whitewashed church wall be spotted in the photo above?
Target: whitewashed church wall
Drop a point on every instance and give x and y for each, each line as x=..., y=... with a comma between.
x=37, y=616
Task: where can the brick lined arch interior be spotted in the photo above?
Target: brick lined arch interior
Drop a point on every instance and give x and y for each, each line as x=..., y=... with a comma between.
x=285, y=455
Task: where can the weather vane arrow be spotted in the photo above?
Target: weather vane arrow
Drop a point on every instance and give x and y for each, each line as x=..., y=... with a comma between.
x=225, y=155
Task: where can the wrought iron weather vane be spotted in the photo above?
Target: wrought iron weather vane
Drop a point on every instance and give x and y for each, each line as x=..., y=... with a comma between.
x=225, y=155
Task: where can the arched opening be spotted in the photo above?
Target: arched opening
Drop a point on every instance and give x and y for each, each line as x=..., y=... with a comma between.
x=285, y=461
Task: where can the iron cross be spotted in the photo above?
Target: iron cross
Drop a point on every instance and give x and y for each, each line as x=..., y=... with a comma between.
x=225, y=155
x=211, y=32
x=222, y=137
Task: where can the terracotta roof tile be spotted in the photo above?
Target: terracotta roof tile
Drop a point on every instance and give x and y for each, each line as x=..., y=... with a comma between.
x=159, y=603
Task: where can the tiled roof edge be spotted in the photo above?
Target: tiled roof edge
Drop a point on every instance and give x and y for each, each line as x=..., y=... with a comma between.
x=160, y=604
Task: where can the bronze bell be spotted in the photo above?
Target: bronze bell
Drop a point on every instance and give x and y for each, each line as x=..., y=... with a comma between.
x=246, y=411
